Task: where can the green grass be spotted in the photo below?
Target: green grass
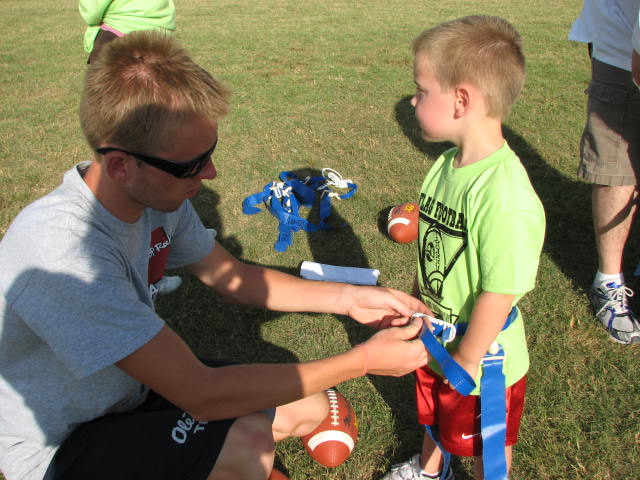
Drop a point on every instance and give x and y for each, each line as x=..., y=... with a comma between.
x=327, y=84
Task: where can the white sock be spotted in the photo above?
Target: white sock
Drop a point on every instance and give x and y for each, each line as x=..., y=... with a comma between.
x=608, y=277
x=434, y=476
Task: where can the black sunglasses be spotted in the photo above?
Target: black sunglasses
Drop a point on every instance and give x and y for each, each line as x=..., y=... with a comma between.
x=177, y=169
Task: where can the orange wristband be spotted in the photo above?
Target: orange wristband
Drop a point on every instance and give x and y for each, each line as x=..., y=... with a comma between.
x=365, y=368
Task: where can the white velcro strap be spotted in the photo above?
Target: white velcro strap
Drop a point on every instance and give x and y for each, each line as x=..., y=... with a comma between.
x=334, y=178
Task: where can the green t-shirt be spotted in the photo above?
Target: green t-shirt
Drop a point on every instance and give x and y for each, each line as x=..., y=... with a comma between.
x=126, y=16
x=481, y=229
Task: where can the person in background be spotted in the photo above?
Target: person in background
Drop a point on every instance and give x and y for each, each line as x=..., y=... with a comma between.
x=109, y=19
x=610, y=153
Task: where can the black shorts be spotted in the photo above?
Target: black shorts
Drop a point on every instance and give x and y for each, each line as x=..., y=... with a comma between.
x=156, y=440
x=103, y=37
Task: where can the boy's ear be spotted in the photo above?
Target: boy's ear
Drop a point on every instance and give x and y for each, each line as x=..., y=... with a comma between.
x=463, y=101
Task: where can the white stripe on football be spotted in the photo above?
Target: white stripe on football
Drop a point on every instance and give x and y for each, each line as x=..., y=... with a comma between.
x=332, y=442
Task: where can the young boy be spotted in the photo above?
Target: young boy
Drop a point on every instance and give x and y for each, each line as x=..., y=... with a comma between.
x=480, y=236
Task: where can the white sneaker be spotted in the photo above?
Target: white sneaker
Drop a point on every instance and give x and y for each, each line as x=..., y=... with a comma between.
x=410, y=470
x=168, y=284
x=612, y=309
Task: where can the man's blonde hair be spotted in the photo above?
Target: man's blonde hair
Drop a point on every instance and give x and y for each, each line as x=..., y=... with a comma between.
x=481, y=50
x=140, y=88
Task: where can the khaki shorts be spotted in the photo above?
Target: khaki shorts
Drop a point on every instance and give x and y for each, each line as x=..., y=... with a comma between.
x=610, y=144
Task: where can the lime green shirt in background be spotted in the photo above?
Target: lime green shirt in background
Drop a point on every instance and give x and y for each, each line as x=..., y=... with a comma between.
x=126, y=16
x=481, y=229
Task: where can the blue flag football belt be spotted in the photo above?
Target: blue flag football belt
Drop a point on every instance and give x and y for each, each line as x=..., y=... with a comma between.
x=492, y=392
x=284, y=199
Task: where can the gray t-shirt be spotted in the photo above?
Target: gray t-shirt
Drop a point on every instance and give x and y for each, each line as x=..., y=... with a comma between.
x=75, y=298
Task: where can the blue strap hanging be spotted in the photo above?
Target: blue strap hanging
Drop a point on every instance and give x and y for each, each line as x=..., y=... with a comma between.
x=493, y=416
x=492, y=392
x=284, y=199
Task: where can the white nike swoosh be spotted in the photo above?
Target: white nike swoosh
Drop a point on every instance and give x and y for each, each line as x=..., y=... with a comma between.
x=467, y=437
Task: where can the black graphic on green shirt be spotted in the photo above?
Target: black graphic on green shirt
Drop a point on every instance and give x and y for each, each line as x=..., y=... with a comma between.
x=442, y=244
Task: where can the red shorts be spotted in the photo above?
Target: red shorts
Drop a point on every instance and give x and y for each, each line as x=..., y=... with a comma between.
x=458, y=417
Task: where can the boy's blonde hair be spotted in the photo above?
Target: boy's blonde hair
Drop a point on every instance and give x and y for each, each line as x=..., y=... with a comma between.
x=481, y=50
x=140, y=88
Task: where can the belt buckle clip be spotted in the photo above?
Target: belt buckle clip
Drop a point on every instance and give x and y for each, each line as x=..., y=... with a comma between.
x=447, y=327
x=495, y=352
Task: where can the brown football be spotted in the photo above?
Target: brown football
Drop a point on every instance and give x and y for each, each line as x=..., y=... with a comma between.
x=332, y=442
x=402, y=222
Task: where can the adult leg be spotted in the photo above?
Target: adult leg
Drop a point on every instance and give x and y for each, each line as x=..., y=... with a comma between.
x=613, y=211
x=610, y=155
x=248, y=450
x=609, y=159
x=299, y=418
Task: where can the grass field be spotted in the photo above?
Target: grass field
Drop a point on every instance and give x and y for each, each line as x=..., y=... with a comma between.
x=328, y=84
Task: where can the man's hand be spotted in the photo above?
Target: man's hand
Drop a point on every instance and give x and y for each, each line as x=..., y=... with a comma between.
x=381, y=307
x=396, y=351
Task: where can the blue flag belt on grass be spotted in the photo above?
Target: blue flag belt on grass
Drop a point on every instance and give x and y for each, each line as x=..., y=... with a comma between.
x=284, y=199
x=492, y=393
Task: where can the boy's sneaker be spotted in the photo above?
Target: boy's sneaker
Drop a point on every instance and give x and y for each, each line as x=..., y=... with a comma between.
x=410, y=470
x=610, y=303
